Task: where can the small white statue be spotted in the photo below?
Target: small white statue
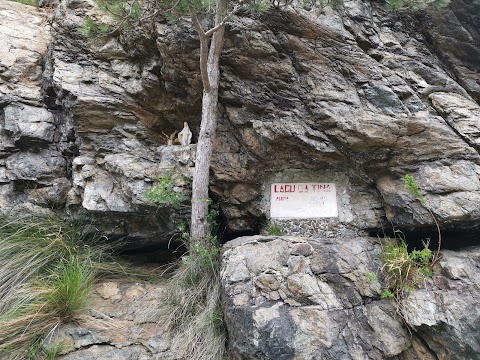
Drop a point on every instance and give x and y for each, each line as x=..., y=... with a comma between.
x=185, y=136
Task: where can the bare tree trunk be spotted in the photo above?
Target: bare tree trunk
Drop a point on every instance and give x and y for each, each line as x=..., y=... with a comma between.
x=199, y=225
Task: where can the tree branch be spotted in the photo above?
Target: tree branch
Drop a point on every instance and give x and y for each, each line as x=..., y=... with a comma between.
x=223, y=22
x=203, y=51
x=217, y=41
x=124, y=19
x=212, y=30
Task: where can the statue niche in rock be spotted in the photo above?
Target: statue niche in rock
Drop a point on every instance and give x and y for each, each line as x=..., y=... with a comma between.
x=185, y=136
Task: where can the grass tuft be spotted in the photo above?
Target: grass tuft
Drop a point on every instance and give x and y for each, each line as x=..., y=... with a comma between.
x=404, y=271
x=274, y=229
x=47, y=270
x=190, y=308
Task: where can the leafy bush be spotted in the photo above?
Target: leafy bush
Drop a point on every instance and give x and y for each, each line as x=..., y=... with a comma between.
x=165, y=192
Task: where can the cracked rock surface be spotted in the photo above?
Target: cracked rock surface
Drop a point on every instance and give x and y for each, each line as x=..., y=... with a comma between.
x=358, y=96
x=117, y=326
x=297, y=298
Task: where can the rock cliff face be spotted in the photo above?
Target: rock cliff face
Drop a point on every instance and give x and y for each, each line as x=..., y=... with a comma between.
x=358, y=96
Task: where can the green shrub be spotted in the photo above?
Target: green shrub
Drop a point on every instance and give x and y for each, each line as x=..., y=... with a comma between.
x=165, y=192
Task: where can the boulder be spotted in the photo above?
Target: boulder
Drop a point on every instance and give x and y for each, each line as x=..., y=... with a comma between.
x=297, y=298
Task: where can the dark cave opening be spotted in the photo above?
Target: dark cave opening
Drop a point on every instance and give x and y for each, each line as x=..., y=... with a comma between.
x=453, y=237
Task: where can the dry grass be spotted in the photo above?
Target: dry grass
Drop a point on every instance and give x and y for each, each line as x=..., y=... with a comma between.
x=46, y=273
x=191, y=310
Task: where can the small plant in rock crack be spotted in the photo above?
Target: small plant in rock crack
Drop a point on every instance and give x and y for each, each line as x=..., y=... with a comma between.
x=371, y=276
x=404, y=271
x=274, y=229
x=412, y=185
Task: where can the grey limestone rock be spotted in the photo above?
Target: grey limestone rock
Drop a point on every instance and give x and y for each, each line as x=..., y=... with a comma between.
x=359, y=96
x=318, y=303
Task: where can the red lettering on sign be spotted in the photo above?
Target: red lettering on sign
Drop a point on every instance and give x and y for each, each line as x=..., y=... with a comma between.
x=303, y=188
x=284, y=188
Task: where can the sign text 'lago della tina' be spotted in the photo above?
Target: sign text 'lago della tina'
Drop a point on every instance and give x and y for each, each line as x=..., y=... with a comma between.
x=303, y=200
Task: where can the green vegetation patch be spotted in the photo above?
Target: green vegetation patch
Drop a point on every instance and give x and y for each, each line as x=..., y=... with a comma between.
x=27, y=2
x=166, y=192
x=47, y=269
x=404, y=271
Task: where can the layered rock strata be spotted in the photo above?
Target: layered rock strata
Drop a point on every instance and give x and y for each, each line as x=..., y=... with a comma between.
x=358, y=96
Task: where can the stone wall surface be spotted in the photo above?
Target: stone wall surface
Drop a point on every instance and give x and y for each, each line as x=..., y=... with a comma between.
x=298, y=298
x=358, y=94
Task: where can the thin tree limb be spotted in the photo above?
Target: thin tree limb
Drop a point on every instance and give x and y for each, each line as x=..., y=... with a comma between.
x=203, y=51
x=212, y=30
x=223, y=22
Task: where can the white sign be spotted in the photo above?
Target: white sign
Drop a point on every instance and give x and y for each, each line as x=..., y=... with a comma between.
x=303, y=200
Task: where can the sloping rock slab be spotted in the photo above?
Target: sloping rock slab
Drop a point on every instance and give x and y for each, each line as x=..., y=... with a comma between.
x=119, y=327
x=293, y=298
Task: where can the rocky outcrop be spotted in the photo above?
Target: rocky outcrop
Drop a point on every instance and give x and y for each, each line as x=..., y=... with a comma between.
x=446, y=313
x=293, y=298
x=357, y=96
x=116, y=327
x=455, y=37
